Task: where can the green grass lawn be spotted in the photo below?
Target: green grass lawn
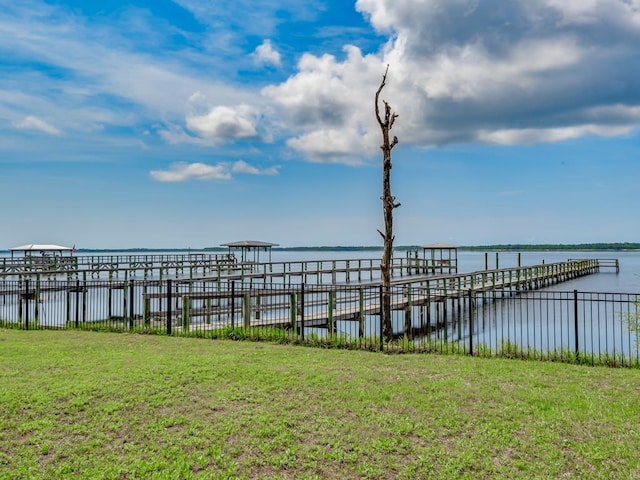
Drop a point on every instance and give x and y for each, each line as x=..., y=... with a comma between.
x=97, y=405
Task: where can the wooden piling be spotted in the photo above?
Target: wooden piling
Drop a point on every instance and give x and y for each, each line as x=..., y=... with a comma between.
x=246, y=310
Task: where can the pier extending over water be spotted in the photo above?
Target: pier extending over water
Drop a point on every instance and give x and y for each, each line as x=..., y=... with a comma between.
x=218, y=267
x=265, y=294
x=507, y=311
x=114, y=264
x=354, y=302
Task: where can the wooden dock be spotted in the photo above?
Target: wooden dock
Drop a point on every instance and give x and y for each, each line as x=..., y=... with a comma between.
x=222, y=268
x=270, y=296
x=114, y=265
x=285, y=306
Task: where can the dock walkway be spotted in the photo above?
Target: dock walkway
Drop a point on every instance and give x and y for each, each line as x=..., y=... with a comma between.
x=322, y=306
x=270, y=297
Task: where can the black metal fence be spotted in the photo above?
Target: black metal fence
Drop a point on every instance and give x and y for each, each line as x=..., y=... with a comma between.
x=594, y=328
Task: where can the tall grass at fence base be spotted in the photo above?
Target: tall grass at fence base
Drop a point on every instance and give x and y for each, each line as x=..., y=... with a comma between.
x=400, y=345
x=109, y=326
x=511, y=350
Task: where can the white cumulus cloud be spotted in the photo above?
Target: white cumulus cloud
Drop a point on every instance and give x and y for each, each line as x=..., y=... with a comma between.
x=243, y=167
x=266, y=54
x=224, y=124
x=532, y=135
x=461, y=71
x=328, y=106
x=31, y=122
x=470, y=71
x=182, y=171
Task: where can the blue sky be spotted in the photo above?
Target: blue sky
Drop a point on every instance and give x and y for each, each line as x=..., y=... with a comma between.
x=191, y=123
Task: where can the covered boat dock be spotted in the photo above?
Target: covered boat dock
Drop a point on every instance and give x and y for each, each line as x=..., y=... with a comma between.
x=42, y=256
x=250, y=248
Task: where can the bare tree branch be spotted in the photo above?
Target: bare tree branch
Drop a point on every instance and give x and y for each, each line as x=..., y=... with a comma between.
x=382, y=84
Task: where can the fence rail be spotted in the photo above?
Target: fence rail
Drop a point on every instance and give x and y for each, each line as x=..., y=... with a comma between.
x=595, y=327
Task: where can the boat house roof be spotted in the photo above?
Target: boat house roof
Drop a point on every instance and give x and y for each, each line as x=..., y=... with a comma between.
x=246, y=246
x=249, y=244
x=440, y=246
x=41, y=248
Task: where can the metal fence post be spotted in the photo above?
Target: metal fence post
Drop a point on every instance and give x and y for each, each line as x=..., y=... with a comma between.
x=84, y=297
x=36, y=301
x=381, y=318
x=233, y=304
x=131, y=305
x=77, y=320
x=302, y=311
x=575, y=317
x=470, y=322
x=26, y=301
x=169, y=307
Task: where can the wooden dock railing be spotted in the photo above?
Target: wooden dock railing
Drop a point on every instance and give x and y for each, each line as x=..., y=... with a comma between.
x=222, y=268
x=215, y=302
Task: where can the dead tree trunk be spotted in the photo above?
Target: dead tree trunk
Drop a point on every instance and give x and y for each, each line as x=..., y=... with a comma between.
x=388, y=205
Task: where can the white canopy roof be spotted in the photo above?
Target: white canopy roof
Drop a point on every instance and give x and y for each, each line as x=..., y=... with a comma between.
x=40, y=248
x=249, y=244
x=440, y=246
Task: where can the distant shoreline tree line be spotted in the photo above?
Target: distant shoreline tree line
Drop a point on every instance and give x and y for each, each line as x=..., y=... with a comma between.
x=509, y=247
x=612, y=247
